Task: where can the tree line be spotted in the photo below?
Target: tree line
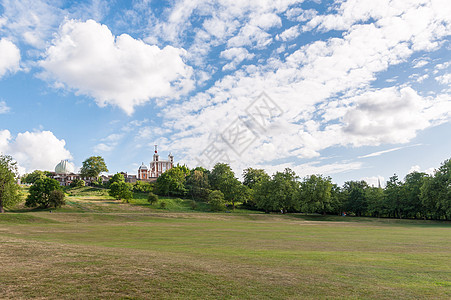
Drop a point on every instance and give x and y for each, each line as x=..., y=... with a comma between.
x=419, y=196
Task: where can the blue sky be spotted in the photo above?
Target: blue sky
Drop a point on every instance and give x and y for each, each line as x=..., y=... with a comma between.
x=349, y=89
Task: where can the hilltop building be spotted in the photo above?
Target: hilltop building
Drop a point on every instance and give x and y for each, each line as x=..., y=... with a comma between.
x=156, y=168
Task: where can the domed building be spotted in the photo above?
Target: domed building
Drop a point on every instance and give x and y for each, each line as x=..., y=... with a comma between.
x=64, y=173
x=64, y=167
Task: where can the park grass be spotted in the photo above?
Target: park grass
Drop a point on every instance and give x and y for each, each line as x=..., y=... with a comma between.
x=96, y=247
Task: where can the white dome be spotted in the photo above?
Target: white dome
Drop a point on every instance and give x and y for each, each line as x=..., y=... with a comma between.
x=143, y=167
x=64, y=167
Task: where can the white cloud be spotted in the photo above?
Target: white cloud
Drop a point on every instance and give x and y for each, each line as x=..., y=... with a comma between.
x=119, y=71
x=39, y=150
x=417, y=168
x=374, y=181
x=420, y=63
x=4, y=108
x=289, y=34
x=9, y=58
x=236, y=55
x=444, y=79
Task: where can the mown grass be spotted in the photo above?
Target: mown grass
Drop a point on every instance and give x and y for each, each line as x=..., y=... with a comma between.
x=99, y=248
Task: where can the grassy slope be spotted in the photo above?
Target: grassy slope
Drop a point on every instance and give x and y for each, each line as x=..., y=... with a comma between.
x=114, y=250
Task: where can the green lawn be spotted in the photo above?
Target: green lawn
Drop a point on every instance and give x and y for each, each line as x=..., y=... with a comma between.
x=96, y=247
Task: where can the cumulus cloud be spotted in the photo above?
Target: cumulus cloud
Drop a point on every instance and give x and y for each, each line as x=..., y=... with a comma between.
x=236, y=55
x=417, y=168
x=289, y=34
x=444, y=79
x=119, y=71
x=9, y=58
x=39, y=150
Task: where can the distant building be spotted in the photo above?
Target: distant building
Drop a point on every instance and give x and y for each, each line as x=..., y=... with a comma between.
x=156, y=168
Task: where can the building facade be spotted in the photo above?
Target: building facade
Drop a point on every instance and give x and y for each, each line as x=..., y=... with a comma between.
x=156, y=167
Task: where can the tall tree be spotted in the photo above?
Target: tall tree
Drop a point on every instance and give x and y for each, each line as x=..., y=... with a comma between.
x=198, y=185
x=8, y=186
x=315, y=194
x=39, y=193
x=412, y=205
x=394, y=197
x=253, y=176
x=356, y=201
x=33, y=176
x=93, y=166
x=375, y=201
x=172, y=182
x=223, y=179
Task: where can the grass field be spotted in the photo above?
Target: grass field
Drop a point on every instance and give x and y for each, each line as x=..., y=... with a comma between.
x=96, y=247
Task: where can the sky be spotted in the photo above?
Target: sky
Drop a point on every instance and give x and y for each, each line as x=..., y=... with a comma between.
x=354, y=90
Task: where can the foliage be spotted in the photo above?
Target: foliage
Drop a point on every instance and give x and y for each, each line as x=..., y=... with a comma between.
x=197, y=184
x=251, y=177
x=39, y=193
x=172, y=182
x=216, y=200
x=316, y=194
x=355, y=201
x=152, y=198
x=118, y=177
x=279, y=193
x=223, y=179
x=93, y=166
x=121, y=191
x=56, y=199
x=142, y=187
x=77, y=183
x=33, y=176
x=163, y=204
x=8, y=186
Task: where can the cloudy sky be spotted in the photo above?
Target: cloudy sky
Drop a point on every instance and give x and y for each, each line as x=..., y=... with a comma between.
x=356, y=89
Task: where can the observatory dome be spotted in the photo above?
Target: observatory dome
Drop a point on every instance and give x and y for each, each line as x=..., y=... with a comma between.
x=64, y=167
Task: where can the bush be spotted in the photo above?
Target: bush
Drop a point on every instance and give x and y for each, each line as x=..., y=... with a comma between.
x=56, y=199
x=39, y=193
x=216, y=200
x=162, y=204
x=142, y=187
x=121, y=190
x=193, y=205
x=77, y=183
x=152, y=198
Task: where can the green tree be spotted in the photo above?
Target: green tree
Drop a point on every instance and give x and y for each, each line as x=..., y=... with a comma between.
x=375, y=201
x=216, y=200
x=142, y=187
x=394, y=197
x=198, y=185
x=172, y=182
x=39, y=193
x=56, y=199
x=252, y=178
x=33, y=176
x=118, y=177
x=93, y=166
x=279, y=193
x=8, y=186
x=121, y=191
x=413, y=208
x=356, y=201
x=316, y=194
x=223, y=179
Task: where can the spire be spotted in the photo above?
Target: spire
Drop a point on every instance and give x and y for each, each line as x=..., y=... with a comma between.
x=378, y=183
x=156, y=149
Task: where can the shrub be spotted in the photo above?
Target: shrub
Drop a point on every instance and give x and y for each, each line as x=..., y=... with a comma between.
x=39, y=193
x=193, y=205
x=56, y=199
x=216, y=200
x=152, y=198
x=162, y=204
x=77, y=183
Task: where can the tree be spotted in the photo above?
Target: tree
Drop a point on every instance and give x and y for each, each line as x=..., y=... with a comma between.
x=121, y=191
x=33, y=176
x=413, y=182
x=171, y=182
x=356, y=201
x=393, y=197
x=118, y=177
x=198, y=185
x=279, y=193
x=56, y=199
x=216, y=200
x=251, y=177
x=93, y=166
x=142, y=187
x=223, y=179
x=316, y=194
x=375, y=201
x=39, y=193
x=8, y=186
